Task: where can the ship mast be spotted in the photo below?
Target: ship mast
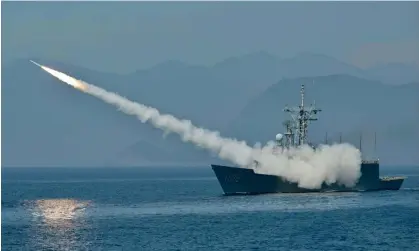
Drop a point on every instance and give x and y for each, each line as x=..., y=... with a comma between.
x=289, y=134
x=301, y=117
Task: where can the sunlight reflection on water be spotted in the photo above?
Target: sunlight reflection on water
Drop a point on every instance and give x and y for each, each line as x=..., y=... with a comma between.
x=58, y=222
x=57, y=210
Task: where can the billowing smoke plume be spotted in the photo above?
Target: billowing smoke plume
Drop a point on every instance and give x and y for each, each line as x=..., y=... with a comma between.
x=309, y=168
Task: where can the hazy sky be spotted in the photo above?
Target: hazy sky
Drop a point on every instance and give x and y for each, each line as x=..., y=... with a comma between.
x=122, y=37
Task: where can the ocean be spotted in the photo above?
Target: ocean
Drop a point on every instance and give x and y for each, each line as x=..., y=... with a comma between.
x=173, y=208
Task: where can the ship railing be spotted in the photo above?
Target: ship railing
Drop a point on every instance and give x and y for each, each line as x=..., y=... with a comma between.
x=388, y=178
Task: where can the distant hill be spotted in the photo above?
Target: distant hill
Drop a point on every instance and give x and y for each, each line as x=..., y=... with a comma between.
x=395, y=73
x=45, y=123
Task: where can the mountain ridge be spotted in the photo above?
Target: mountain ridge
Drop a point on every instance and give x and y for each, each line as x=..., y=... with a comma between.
x=369, y=72
x=45, y=123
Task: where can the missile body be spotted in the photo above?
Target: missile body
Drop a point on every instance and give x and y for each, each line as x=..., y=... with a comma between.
x=36, y=63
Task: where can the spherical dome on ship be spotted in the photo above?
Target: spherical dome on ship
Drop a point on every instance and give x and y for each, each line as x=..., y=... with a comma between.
x=278, y=137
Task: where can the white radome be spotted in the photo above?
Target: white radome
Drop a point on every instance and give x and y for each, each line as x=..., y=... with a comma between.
x=279, y=137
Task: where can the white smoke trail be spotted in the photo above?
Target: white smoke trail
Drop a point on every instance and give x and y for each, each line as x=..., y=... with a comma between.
x=308, y=167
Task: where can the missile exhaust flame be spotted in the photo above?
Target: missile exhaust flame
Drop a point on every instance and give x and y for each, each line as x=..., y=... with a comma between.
x=308, y=167
x=63, y=77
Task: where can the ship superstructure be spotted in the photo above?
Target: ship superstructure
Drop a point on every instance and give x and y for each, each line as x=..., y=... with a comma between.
x=301, y=117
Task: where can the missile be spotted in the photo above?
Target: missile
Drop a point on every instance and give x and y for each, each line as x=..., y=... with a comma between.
x=63, y=77
x=36, y=63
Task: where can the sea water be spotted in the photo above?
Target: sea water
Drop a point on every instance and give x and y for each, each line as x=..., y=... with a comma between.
x=175, y=208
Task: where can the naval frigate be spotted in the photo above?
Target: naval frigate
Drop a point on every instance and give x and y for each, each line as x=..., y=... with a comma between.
x=238, y=180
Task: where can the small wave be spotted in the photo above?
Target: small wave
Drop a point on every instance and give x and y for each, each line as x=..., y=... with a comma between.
x=12, y=204
x=410, y=189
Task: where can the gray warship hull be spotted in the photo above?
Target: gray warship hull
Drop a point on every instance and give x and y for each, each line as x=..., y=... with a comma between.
x=236, y=181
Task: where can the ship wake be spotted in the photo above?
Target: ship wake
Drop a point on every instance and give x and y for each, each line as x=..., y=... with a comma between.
x=310, y=168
